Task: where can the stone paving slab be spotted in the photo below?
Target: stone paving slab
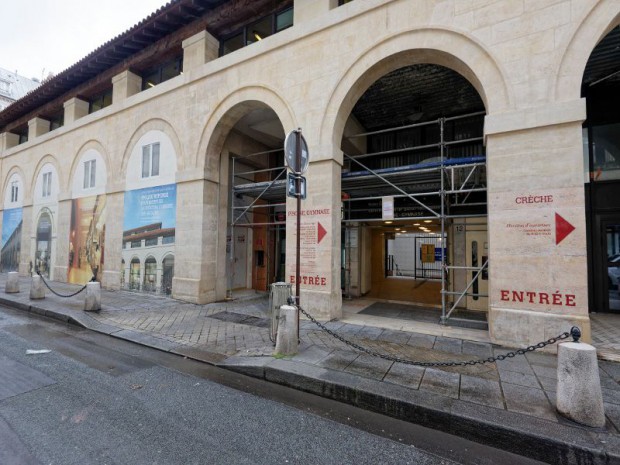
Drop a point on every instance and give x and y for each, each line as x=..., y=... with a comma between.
x=512, y=401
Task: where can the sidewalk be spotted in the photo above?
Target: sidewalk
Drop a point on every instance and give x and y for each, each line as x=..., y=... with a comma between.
x=509, y=405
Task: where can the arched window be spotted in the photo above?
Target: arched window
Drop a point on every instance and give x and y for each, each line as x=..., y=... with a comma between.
x=167, y=275
x=150, y=275
x=134, y=274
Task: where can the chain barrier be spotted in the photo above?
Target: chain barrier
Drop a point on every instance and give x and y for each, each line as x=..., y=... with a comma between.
x=56, y=293
x=574, y=332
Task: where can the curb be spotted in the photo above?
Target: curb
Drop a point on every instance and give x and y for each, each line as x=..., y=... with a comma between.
x=514, y=432
x=526, y=436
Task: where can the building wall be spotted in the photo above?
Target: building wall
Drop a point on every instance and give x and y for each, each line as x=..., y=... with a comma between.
x=525, y=58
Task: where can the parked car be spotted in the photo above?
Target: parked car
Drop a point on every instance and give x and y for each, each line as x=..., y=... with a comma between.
x=613, y=271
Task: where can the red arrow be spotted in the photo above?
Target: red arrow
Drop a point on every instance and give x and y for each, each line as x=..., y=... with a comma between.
x=562, y=229
x=321, y=232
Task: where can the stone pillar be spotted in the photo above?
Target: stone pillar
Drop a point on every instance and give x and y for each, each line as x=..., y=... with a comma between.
x=199, y=49
x=75, y=109
x=8, y=140
x=579, y=395
x=537, y=233
x=25, y=244
x=111, y=276
x=37, y=289
x=125, y=85
x=37, y=127
x=307, y=10
x=320, y=292
x=198, y=266
x=287, y=339
x=61, y=259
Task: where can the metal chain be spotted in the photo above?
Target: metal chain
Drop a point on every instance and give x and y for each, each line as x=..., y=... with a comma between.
x=56, y=293
x=531, y=348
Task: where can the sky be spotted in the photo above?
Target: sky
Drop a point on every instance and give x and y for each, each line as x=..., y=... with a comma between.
x=42, y=36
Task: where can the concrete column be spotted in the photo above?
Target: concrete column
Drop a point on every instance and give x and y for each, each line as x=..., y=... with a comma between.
x=8, y=140
x=199, y=49
x=287, y=340
x=25, y=244
x=320, y=292
x=199, y=275
x=537, y=233
x=75, y=109
x=125, y=85
x=111, y=276
x=37, y=127
x=37, y=288
x=61, y=259
x=579, y=395
x=307, y=10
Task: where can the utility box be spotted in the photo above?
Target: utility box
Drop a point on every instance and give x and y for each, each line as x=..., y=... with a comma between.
x=280, y=292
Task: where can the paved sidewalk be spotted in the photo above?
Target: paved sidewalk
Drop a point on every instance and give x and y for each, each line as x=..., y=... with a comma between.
x=509, y=405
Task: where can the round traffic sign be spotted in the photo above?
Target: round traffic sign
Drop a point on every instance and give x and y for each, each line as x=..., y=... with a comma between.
x=290, y=153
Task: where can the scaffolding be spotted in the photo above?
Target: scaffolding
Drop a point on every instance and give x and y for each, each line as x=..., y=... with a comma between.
x=448, y=189
x=444, y=180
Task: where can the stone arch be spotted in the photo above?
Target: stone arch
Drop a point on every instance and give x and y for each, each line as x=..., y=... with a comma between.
x=449, y=48
x=91, y=144
x=596, y=24
x=52, y=160
x=155, y=124
x=228, y=112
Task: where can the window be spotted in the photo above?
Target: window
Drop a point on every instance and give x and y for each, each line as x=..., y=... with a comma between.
x=150, y=241
x=99, y=101
x=162, y=73
x=150, y=160
x=167, y=240
x=257, y=31
x=47, y=185
x=90, y=168
x=14, y=191
x=136, y=244
x=57, y=121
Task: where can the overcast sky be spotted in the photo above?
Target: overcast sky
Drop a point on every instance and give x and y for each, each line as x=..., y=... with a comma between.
x=39, y=36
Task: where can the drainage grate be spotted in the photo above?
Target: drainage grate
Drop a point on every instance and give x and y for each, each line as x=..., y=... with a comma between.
x=241, y=319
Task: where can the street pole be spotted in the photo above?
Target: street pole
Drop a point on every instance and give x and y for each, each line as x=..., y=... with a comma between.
x=298, y=190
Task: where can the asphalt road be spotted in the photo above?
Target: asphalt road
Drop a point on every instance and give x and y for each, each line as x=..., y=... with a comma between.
x=97, y=400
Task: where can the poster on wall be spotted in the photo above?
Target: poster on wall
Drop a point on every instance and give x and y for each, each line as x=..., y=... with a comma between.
x=148, y=239
x=87, y=239
x=11, y=239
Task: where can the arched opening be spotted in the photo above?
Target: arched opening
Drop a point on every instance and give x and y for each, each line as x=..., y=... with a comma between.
x=414, y=197
x=253, y=152
x=43, y=249
x=167, y=274
x=134, y=274
x=150, y=275
x=601, y=141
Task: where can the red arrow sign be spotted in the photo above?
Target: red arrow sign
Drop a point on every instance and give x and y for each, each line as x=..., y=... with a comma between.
x=321, y=232
x=562, y=229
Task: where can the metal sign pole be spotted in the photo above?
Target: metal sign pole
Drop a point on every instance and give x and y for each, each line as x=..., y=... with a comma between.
x=298, y=190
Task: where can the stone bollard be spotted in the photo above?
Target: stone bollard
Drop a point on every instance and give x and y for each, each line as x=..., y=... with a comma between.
x=37, y=290
x=287, y=340
x=12, y=283
x=579, y=396
x=92, y=302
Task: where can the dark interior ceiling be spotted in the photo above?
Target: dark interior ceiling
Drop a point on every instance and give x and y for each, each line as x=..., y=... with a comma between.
x=604, y=62
x=419, y=92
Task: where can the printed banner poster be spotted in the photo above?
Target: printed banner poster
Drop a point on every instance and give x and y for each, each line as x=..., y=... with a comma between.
x=11, y=239
x=148, y=239
x=86, y=239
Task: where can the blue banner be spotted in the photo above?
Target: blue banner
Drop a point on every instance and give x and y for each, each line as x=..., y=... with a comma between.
x=11, y=219
x=151, y=205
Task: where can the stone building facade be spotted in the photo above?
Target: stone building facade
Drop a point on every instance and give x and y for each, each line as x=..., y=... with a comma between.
x=212, y=82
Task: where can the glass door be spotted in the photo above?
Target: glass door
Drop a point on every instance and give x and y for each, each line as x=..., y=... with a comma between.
x=612, y=239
